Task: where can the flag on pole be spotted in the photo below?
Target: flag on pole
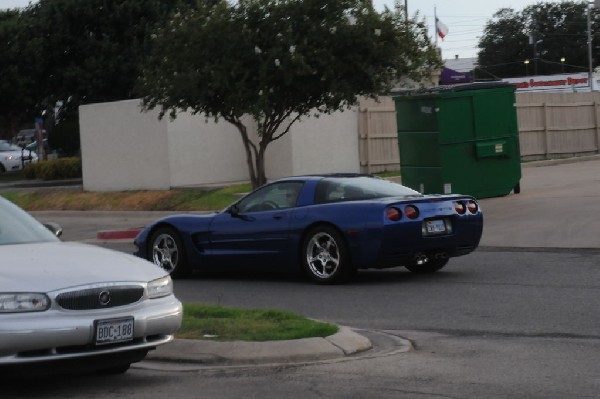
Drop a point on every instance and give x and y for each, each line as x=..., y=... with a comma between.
x=441, y=28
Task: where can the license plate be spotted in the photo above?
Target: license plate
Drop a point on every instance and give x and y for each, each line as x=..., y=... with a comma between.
x=435, y=226
x=111, y=331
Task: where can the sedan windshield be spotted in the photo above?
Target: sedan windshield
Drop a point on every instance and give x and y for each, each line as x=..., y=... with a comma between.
x=332, y=189
x=18, y=227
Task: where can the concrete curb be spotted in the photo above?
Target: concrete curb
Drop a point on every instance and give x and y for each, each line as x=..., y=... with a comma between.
x=117, y=234
x=345, y=342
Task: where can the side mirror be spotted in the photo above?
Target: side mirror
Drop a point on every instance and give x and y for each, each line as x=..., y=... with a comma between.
x=54, y=228
x=234, y=210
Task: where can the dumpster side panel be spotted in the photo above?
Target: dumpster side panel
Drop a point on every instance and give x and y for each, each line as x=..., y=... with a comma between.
x=463, y=141
x=418, y=141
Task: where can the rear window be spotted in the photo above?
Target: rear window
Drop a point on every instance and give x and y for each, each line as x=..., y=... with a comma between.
x=333, y=189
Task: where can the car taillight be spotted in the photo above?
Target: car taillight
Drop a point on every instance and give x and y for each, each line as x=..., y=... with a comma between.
x=472, y=206
x=393, y=214
x=411, y=212
x=460, y=208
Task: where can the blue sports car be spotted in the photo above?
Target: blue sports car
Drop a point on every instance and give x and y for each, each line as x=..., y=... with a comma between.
x=328, y=226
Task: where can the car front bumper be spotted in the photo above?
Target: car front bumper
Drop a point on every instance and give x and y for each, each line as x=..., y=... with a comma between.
x=59, y=335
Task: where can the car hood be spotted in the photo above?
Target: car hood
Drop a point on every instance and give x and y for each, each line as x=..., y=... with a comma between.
x=45, y=267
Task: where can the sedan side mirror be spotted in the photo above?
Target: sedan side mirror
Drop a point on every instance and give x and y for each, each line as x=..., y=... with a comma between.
x=234, y=210
x=54, y=228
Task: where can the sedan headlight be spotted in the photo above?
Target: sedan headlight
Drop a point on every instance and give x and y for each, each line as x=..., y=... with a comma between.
x=17, y=302
x=160, y=287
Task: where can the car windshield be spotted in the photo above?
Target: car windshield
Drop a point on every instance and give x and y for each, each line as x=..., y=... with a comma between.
x=332, y=189
x=6, y=146
x=18, y=227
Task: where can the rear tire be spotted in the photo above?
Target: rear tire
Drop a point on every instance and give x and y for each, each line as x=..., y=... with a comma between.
x=431, y=266
x=325, y=258
x=167, y=251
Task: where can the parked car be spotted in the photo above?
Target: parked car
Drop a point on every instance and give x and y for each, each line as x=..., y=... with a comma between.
x=13, y=157
x=27, y=136
x=329, y=226
x=68, y=305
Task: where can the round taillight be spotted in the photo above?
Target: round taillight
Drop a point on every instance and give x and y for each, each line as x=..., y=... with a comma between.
x=411, y=212
x=472, y=206
x=460, y=208
x=393, y=214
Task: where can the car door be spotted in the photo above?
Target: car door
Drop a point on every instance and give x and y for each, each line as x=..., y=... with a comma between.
x=254, y=232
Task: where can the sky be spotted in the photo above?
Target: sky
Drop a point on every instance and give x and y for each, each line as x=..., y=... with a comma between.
x=465, y=19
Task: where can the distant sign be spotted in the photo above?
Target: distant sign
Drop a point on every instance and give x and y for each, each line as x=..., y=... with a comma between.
x=562, y=82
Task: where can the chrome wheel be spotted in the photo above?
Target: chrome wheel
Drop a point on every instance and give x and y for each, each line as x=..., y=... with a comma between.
x=166, y=250
x=324, y=255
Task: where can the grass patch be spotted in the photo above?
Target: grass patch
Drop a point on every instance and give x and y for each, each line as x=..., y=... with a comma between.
x=229, y=324
x=158, y=200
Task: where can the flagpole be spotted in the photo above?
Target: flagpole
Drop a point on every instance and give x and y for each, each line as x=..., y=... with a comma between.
x=435, y=25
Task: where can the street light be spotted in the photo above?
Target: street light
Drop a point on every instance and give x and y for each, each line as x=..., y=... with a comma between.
x=562, y=64
x=526, y=62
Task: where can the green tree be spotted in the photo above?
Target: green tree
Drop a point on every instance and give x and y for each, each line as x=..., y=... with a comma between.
x=542, y=34
x=83, y=50
x=19, y=71
x=278, y=61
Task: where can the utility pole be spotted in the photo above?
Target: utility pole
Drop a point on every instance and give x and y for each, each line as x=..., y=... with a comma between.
x=589, y=43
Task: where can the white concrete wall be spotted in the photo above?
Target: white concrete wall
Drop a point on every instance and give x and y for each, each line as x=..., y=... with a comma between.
x=123, y=148
x=327, y=144
x=204, y=152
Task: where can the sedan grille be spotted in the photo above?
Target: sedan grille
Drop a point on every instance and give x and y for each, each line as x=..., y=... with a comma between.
x=99, y=298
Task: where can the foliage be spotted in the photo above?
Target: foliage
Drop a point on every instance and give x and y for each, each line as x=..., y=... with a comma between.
x=56, y=169
x=19, y=71
x=229, y=324
x=86, y=51
x=558, y=29
x=278, y=61
x=65, y=136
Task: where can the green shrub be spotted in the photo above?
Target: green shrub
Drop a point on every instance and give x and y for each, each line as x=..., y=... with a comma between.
x=56, y=169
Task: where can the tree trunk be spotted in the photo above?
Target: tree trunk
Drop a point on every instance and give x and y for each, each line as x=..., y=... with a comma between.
x=254, y=160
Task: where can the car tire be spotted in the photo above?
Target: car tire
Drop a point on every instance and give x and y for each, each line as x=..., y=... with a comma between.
x=167, y=251
x=324, y=256
x=431, y=266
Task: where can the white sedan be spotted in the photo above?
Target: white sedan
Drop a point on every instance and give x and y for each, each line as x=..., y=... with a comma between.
x=71, y=306
x=13, y=157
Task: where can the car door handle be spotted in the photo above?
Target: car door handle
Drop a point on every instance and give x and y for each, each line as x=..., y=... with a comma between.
x=279, y=216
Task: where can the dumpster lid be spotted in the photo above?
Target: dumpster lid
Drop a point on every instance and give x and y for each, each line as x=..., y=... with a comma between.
x=452, y=88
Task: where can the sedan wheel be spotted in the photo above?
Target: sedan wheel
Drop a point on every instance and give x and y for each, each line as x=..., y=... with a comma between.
x=166, y=251
x=325, y=256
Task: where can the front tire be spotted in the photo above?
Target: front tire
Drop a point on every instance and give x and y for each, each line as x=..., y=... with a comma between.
x=324, y=255
x=430, y=266
x=166, y=250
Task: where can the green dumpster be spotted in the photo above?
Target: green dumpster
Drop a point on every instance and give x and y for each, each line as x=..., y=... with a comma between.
x=460, y=139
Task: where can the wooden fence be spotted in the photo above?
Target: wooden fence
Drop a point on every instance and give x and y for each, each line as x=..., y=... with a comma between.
x=557, y=125
x=378, y=134
x=551, y=125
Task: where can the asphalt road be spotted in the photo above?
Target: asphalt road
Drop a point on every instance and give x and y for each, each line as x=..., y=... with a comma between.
x=494, y=324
